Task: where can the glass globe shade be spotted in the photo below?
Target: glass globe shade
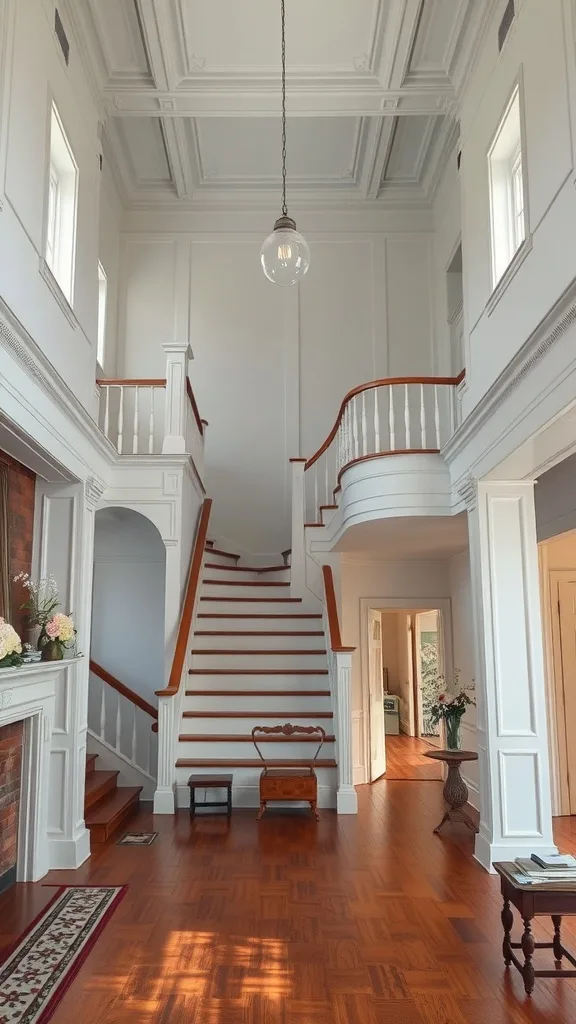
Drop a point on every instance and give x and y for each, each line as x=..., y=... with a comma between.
x=285, y=256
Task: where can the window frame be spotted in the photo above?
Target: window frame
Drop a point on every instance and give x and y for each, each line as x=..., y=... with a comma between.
x=510, y=239
x=102, y=315
x=58, y=263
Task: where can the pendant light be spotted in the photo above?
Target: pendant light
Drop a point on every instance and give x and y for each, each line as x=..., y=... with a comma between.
x=285, y=256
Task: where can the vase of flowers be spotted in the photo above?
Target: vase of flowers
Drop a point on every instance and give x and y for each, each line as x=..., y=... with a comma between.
x=10, y=646
x=58, y=633
x=451, y=703
x=40, y=604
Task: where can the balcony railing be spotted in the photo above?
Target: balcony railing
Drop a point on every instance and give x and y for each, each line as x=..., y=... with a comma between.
x=154, y=416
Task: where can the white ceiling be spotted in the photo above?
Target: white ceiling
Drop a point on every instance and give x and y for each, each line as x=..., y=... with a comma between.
x=190, y=95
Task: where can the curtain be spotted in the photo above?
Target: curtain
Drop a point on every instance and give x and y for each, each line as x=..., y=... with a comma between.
x=5, y=587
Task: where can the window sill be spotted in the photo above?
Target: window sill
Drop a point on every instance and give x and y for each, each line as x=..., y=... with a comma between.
x=508, y=275
x=57, y=292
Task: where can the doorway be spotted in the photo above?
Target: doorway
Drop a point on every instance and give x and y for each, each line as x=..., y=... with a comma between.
x=405, y=648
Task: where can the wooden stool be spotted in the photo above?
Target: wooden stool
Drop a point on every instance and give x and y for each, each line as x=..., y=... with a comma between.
x=210, y=782
x=297, y=783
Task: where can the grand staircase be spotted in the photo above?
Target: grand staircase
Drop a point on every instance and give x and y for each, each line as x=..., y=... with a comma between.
x=258, y=658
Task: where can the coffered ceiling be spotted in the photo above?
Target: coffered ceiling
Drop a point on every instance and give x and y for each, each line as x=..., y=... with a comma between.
x=190, y=94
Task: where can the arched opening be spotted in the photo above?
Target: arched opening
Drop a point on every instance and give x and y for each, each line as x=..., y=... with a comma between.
x=128, y=616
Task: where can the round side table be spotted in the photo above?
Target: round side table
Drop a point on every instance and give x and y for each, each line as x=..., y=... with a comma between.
x=455, y=789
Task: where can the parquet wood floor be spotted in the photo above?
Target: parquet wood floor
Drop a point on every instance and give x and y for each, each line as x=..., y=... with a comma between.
x=367, y=920
x=405, y=759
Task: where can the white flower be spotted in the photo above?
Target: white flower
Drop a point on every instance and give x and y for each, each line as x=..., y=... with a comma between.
x=9, y=640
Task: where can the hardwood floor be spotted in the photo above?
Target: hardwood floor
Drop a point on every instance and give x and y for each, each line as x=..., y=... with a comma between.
x=405, y=760
x=367, y=920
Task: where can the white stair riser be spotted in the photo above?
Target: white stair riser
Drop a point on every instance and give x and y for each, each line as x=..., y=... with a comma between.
x=215, y=559
x=258, y=661
x=268, y=684
x=232, y=622
x=225, y=572
x=245, y=787
x=244, y=642
x=268, y=703
x=244, y=726
x=226, y=590
x=259, y=607
x=301, y=751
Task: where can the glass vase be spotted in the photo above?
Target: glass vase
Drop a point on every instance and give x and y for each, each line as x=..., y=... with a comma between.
x=453, y=741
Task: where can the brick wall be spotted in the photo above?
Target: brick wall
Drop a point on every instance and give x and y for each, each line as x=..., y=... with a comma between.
x=11, y=742
x=21, y=491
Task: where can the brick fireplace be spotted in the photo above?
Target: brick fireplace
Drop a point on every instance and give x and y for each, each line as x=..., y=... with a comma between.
x=11, y=746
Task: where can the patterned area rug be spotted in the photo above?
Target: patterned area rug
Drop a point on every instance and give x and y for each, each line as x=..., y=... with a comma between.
x=135, y=839
x=36, y=972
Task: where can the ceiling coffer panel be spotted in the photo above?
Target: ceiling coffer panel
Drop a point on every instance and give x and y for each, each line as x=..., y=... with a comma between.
x=142, y=139
x=117, y=23
x=439, y=35
x=412, y=139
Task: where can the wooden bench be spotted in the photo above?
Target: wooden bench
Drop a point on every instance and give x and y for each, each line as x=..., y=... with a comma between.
x=291, y=783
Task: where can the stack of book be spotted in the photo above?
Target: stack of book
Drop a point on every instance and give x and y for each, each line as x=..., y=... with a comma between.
x=554, y=871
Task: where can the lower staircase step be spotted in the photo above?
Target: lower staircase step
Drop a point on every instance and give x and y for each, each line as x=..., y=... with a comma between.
x=98, y=785
x=188, y=762
x=91, y=762
x=257, y=693
x=235, y=738
x=285, y=715
x=107, y=815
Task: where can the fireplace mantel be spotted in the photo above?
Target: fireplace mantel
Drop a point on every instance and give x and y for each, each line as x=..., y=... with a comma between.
x=47, y=697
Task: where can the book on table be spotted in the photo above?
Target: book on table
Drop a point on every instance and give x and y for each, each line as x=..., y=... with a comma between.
x=561, y=872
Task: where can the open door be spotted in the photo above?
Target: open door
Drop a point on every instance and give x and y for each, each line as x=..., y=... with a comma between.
x=428, y=666
x=567, y=706
x=376, y=689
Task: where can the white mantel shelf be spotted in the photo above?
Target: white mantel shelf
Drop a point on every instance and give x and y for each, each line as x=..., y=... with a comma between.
x=24, y=672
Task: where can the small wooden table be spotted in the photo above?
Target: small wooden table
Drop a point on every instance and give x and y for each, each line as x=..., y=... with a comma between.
x=534, y=901
x=455, y=790
x=210, y=782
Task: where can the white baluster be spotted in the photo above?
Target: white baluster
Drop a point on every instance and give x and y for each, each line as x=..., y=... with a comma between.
x=422, y=417
x=107, y=413
x=151, y=426
x=136, y=411
x=102, y=709
x=339, y=458
x=436, y=416
x=118, y=722
x=326, y=482
x=149, y=752
x=406, y=417
x=364, y=426
x=391, y=418
x=355, y=429
x=316, y=515
x=376, y=422
x=120, y=420
x=134, y=734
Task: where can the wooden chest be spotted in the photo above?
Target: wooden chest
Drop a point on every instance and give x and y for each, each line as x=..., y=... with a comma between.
x=288, y=784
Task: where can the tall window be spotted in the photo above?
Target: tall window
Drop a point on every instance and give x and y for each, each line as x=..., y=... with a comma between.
x=507, y=189
x=61, y=208
x=102, y=296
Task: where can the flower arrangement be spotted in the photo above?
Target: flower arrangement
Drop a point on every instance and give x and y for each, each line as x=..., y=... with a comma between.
x=10, y=646
x=42, y=598
x=57, y=633
x=451, y=703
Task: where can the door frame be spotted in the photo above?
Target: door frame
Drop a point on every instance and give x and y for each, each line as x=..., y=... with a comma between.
x=401, y=604
x=557, y=739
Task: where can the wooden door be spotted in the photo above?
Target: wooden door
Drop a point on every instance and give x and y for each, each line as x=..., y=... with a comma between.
x=567, y=615
x=376, y=691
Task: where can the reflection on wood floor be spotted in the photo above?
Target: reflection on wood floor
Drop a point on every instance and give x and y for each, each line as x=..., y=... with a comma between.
x=354, y=920
x=405, y=760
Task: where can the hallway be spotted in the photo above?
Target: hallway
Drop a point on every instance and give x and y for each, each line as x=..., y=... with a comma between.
x=367, y=920
x=405, y=760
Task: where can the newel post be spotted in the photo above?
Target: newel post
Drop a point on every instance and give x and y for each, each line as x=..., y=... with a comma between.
x=298, y=555
x=346, y=797
x=165, y=796
x=177, y=359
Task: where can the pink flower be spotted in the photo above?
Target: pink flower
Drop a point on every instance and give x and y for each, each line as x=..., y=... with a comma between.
x=441, y=698
x=52, y=629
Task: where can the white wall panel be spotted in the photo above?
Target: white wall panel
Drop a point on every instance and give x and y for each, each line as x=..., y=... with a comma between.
x=149, y=305
x=409, y=307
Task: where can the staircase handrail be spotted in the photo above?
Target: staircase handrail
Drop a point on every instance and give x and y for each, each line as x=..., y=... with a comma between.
x=123, y=690
x=200, y=423
x=189, y=603
x=382, y=382
x=334, y=634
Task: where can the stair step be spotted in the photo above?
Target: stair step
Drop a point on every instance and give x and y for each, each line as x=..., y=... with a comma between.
x=257, y=693
x=98, y=785
x=109, y=814
x=257, y=615
x=224, y=554
x=235, y=738
x=189, y=762
x=260, y=600
x=244, y=583
x=91, y=762
x=258, y=651
x=257, y=671
x=258, y=714
x=257, y=632
x=246, y=568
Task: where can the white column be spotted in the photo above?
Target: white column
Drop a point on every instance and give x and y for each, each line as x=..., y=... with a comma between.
x=515, y=799
x=177, y=359
x=346, y=797
x=298, y=555
x=168, y=722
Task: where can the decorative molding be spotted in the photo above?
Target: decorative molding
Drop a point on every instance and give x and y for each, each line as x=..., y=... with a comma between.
x=57, y=292
x=468, y=491
x=93, y=491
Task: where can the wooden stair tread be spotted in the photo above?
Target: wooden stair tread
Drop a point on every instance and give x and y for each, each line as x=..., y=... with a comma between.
x=104, y=817
x=246, y=568
x=256, y=650
x=245, y=583
x=257, y=671
x=91, y=762
x=258, y=714
x=217, y=551
x=191, y=762
x=233, y=738
x=262, y=632
x=98, y=785
x=256, y=615
x=259, y=600
x=257, y=693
